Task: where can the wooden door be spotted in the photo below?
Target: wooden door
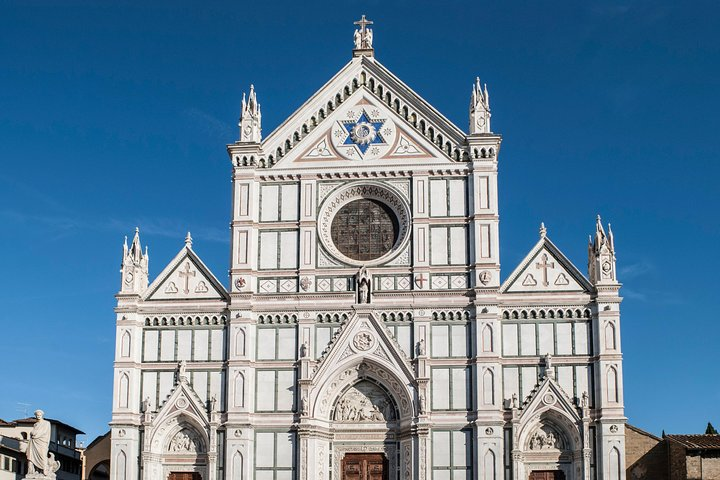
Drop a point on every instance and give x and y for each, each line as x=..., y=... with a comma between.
x=547, y=475
x=184, y=476
x=364, y=466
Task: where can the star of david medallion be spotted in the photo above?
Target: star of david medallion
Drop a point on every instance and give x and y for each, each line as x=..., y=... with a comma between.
x=364, y=136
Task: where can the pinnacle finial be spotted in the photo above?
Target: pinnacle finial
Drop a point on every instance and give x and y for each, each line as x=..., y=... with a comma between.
x=363, y=38
x=188, y=240
x=543, y=230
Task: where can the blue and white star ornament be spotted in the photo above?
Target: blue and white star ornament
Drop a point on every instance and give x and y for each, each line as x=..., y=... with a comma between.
x=363, y=136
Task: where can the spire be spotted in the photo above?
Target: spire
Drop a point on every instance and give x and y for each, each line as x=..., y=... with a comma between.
x=188, y=240
x=250, y=118
x=363, y=38
x=134, y=266
x=479, y=108
x=601, y=255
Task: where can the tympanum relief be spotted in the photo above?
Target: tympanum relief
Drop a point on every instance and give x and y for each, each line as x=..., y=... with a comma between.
x=364, y=402
x=185, y=441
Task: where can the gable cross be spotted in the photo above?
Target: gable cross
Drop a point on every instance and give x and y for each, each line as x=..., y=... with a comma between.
x=545, y=265
x=187, y=274
x=363, y=37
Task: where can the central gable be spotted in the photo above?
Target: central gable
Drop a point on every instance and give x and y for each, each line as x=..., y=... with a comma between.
x=364, y=113
x=361, y=132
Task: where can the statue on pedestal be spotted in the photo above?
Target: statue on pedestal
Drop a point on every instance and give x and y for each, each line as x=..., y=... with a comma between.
x=40, y=464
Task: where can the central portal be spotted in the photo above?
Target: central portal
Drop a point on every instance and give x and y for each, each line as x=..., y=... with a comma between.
x=184, y=476
x=547, y=475
x=364, y=466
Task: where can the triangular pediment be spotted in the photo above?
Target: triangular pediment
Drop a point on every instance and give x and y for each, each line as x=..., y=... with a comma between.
x=546, y=269
x=406, y=127
x=362, y=131
x=183, y=400
x=549, y=395
x=364, y=337
x=186, y=277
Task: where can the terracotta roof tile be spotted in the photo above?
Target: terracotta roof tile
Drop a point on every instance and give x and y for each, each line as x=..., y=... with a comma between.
x=697, y=442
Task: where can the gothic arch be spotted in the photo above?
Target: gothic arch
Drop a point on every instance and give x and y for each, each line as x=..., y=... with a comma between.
x=121, y=465
x=239, y=390
x=566, y=428
x=240, y=342
x=125, y=344
x=489, y=465
x=610, y=336
x=614, y=464
x=488, y=387
x=487, y=338
x=237, y=466
x=124, y=397
x=612, y=385
x=164, y=433
x=348, y=374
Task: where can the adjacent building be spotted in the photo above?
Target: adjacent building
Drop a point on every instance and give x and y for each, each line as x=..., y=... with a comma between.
x=366, y=330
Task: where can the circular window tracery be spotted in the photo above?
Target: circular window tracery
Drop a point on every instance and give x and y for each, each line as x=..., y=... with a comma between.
x=364, y=229
x=364, y=224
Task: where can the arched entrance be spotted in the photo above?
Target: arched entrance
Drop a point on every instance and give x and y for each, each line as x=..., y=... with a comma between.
x=551, y=448
x=365, y=410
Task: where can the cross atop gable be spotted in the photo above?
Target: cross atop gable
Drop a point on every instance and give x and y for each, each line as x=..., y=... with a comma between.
x=545, y=269
x=186, y=277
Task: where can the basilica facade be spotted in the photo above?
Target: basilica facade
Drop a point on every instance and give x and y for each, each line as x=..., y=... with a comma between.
x=366, y=330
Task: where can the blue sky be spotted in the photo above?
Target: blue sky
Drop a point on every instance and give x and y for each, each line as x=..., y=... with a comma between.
x=114, y=115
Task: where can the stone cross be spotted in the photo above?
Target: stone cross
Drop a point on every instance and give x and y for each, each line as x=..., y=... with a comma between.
x=187, y=274
x=545, y=265
x=365, y=33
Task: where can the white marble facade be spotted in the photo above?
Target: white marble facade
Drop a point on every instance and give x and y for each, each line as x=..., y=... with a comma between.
x=389, y=331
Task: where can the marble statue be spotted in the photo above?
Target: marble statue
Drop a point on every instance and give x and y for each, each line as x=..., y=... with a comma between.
x=37, y=447
x=364, y=292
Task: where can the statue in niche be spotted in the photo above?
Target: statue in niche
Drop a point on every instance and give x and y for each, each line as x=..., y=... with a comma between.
x=304, y=410
x=363, y=286
x=181, y=371
x=421, y=347
x=364, y=402
x=303, y=350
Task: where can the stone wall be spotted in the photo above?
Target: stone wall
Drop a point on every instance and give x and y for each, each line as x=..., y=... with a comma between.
x=645, y=455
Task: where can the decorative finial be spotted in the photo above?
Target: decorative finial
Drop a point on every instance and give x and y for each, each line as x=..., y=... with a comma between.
x=543, y=230
x=363, y=38
x=250, y=118
x=479, y=108
x=188, y=240
x=137, y=229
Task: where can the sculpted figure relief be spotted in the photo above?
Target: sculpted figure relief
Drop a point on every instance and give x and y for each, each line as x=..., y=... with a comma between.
x=183, y=442
x=544, y=440
x=364, y=402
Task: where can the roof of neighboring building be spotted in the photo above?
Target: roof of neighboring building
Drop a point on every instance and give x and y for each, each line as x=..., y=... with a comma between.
x=51, y=420
x=3, y=423
x=98, y=439
x=697, y=442
x=642, y=432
